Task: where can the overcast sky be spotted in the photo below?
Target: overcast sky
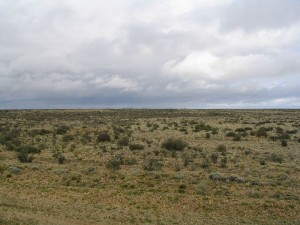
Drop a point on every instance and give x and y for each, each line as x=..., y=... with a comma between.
x=149, y=53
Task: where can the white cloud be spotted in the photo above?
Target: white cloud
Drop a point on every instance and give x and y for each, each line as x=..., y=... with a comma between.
x=116, y=82
x=206, y=66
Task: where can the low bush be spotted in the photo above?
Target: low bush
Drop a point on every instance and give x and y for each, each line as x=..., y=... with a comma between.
x=136, y=147
x=24, y=157
x=216, y=176
x=152, y=164
x=103, y=137
x=60, y=158
x=182, y=188
x=214, y=157
x=222, y=148
x=223, y=162
x=237, y=137
x=123, y=141
x=205, y=163
x=231, y=134
x=173, y=144
x=63, y=129
x=28, y=149
x=115, y=162
x=284, y=143
x=276, y=158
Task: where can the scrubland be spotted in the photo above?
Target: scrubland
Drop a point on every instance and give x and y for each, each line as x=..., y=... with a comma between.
x=131, y=166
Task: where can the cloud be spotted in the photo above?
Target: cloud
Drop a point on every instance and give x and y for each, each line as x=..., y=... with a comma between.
x=206, y=66
x=129, y=53
x=255, y=14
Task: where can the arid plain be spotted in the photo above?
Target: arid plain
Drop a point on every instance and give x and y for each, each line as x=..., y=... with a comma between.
x=142, y=166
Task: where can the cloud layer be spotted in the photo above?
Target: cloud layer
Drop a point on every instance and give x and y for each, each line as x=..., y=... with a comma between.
x=172, y=53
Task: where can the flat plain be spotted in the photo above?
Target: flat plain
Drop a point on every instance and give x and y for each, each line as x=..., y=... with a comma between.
x=146, y=166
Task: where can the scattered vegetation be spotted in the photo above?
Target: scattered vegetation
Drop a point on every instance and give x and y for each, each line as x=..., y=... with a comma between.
x=154, y=166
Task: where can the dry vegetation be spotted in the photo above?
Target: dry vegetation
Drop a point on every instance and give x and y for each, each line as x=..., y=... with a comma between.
x=150, y=167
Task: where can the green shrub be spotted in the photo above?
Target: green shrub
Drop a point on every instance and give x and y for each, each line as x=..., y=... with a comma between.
x=202, y=188
x=216, y=176
x=136, y=147
x=28, y=149
x=123, y=141
x=276, y=158
x=173, y=144
x=152, y=164
x=67, y=138
x=24, y=157
x=207, y=135
x=237, y=137
x=214, y=157
x=223, y=162
x=222, y=148
x=63, y=129
x=182, y=188
x=103, y=137
x=115, y=162
x=59, y=157
x=231, y=134
x=284, y=143
x=14, y=170
x=262, y=132
x=205, y=163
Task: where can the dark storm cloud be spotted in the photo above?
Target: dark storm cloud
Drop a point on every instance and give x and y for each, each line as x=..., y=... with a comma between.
x=225, y=53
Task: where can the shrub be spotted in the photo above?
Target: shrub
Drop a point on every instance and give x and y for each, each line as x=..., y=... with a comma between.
x=216, y=176
x=201, y=188
x=174, y=144
x=182, y=188
x=284, y=143
x=152, y=164
x=276, y=158
x=85, y=138
x=63, y=129
x=223, y=162
x=103, y=137
x=28, y=149
x=205, y=163
x=24, y=157
x=59, y=157
x=207, y=135
x=284, y=136
x=67, y=138
x=129, y=161
x=14, y=170
x=115, y=162
x=222, y=148
x=136, y=147
x=261, y=132
x=231, y=134
x=187, y=158
x=124, y=141
x=237, y=137
x=214, y=157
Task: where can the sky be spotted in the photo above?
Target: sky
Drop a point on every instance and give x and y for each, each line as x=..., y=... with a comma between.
x=149, y=54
